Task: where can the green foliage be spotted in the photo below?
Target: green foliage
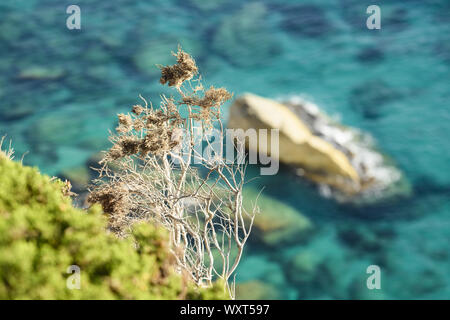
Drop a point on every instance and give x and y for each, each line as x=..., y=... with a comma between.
x=42, y=234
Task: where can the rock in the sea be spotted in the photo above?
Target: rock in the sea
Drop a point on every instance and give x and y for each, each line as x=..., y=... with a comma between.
x=369, y=98
x=79, y=177
x=358, y=290
x=93, y=161
x=276, y=223
x=262, y=267
x=155, y=52
x=55, y=128
x=397, y=19
x=16, y=111
x=365, y=239
x=256, y=290
x=206, y=5
x=370, y=55
x=40, y=73
x=244, y=39
x=341, y=160
x=303, y=267
x=442, y=50
x=307, y=20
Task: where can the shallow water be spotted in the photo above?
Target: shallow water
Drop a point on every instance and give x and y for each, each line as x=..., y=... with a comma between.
x=393, y=83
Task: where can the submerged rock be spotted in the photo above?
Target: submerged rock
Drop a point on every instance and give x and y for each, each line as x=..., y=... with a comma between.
x=304, y=267
x=54, y=129
x=154, y=53
x=370, y=55
x=79, y=177
x=341, y=160
x=256, y=290
x=357, y=290
x=370, y=97
x=244, y=39
x=40, y=73
x=306, y=20
x=266, y=269
x=397, y=19
x=365, y=239
x=442, y=51
x=16, y=111
x=276, y=223
x=206, y=5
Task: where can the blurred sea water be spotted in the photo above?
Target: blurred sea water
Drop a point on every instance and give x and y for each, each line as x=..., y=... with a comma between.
x=60, y=90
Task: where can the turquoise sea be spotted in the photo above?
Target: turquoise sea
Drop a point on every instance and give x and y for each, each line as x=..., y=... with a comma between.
x=60, y=90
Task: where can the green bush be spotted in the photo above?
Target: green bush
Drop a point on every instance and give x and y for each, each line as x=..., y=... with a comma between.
x=42, y=234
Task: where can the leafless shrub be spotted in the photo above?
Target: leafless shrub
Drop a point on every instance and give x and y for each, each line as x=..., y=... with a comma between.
x=146, y=176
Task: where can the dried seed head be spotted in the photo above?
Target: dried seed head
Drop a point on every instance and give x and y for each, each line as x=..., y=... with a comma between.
x=171, y=107
x=215, y=97
x=191, y=100
x=184, y=69
x=115, y=201
x=138, y=125
x=114, y=153
x=125, y=146
x=130, y=145
x=125, y=120
x=125, y=123
x=137, y=109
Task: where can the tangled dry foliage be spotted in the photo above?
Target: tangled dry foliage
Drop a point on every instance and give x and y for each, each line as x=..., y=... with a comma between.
x=145, y=176
x=9, y=152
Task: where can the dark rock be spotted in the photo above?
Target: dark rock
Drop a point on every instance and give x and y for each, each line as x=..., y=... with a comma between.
x=205, y=5
x=370, y=54
x=369, y=98
x=306, y=20
x=354, y=13
x=94, y=143
x=425, y=186
x=15, y=111
x=79, y=177
x=365, y=239
x=93, y=161
x=303, y=267
x=442, y=11
x=397, y=20
x=55, y=129
x=428, y=281
x=442, y=51
x=358, y=290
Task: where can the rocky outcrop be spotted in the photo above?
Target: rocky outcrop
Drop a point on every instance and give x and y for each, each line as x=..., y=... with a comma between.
x=275, y=223
x=341, y=160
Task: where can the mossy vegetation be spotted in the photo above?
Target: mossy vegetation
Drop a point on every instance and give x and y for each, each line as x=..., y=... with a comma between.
x=42, y=234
